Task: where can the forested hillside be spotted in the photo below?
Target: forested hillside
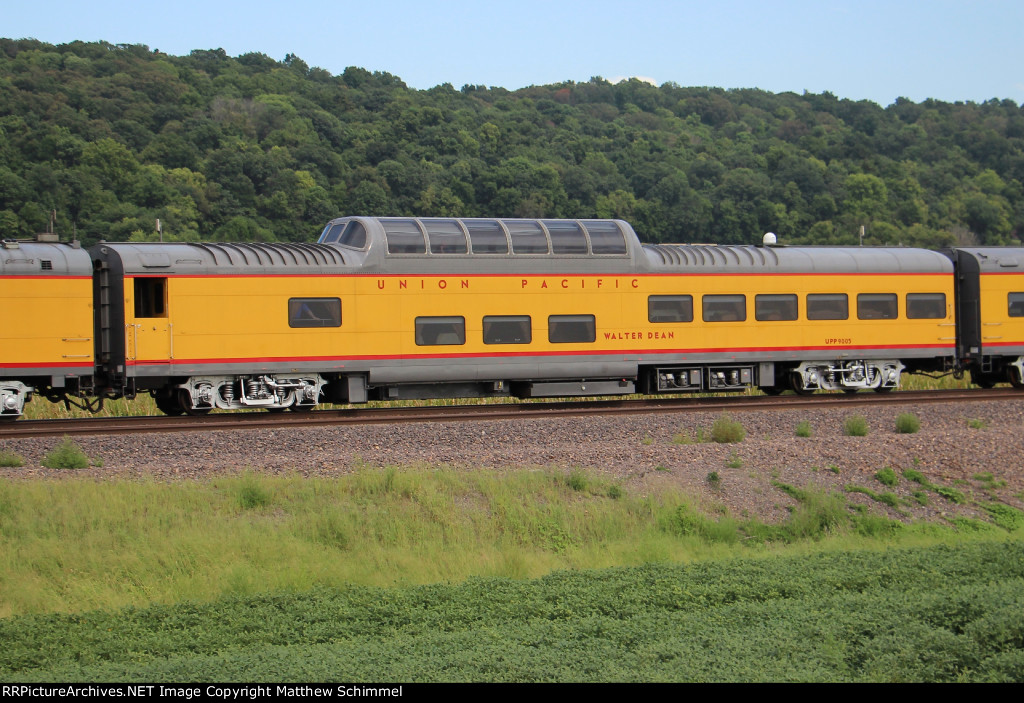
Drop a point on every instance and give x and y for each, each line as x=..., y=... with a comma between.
x=113, y=137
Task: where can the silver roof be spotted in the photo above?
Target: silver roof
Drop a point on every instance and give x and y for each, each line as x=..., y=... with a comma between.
x=242, y=258
x=992, y=259
x=43, y=258
x=699, y=258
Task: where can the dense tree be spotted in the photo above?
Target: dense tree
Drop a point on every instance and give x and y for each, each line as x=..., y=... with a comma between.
x=113, y=137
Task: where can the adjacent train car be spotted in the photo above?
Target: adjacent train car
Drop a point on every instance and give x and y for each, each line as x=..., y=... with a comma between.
x=46, y=333
x=990, y=313
x=221, y=325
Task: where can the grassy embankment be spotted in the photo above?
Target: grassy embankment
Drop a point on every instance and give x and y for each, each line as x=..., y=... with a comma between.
x=74, y=545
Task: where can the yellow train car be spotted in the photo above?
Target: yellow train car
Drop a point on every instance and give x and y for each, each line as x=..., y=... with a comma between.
x=432, y=307
x=46, y=322
x=990, y=313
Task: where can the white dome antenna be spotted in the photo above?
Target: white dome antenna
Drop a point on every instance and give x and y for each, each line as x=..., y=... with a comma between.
x=769, y=239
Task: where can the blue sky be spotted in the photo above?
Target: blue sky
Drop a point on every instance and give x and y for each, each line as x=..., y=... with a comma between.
x=870, y=49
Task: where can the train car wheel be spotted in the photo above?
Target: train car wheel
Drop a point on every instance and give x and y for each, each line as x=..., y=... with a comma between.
x=300, y=408
x=850, y=391
x=884, y=389
x=772, y=390
x=797, y=384
x=1013, y=375
x=168, y=405
x=185, y=402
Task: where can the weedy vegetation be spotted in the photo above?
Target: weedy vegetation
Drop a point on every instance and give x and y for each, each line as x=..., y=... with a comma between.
x=950, y=494
x=855, y=426
x=725, y=430
x=66, y=455
x=887, y=477
x=907, y=423
x=803, y=429
x=11, y=460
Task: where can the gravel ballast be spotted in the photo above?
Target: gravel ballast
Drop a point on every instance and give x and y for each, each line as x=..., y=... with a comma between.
x=956, y=444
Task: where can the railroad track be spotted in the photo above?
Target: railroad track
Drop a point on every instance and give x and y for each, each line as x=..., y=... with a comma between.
x=461, y=413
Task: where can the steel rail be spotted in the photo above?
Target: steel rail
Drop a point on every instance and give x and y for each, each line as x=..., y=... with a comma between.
x=491, y=411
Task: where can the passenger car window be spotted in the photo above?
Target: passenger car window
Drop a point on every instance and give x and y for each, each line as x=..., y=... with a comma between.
x=527, y=237
x=440, y=331
x=1015, y=304
x=404, y=237
x=775, y=307
x=605, y=237
x=725, y=308
x=566, y=237
x=150, y=297
x=487, y=236
x=828, y=306
x=926, y=306
x=566, y=329
x=314, y=312
x=354, y=236
x=507, y=329
x=670, y=308
x=876, y=306
x=446, y=237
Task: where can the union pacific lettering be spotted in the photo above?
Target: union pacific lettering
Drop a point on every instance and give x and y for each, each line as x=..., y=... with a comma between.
x=421, y=283
x=581, y=283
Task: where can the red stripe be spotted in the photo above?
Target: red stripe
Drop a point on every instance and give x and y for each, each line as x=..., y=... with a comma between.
x=44, y=277
x=686, y=274
x=44, y=365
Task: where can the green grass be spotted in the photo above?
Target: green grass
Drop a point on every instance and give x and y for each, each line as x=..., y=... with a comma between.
x=855, y=426
x=931, y=614
x=11, y=460
x=66, y=455
x=887, y=477
x=78, y=544
x=725, y=430
x=907, y=423
x=803, y=429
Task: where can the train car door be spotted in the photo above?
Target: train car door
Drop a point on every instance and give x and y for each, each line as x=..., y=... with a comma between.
x=148, y=331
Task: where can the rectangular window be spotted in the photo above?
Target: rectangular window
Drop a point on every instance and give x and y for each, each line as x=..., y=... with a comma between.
x=775, y=307
x=150, y=297
x=566, y=329
x=725, y=308
x=440, y=331
x=926, y=306
x=314, y=312
x=1015, y=304
x=507, y=329
x=670, y=308
x=876, y=306
x=828, y=306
